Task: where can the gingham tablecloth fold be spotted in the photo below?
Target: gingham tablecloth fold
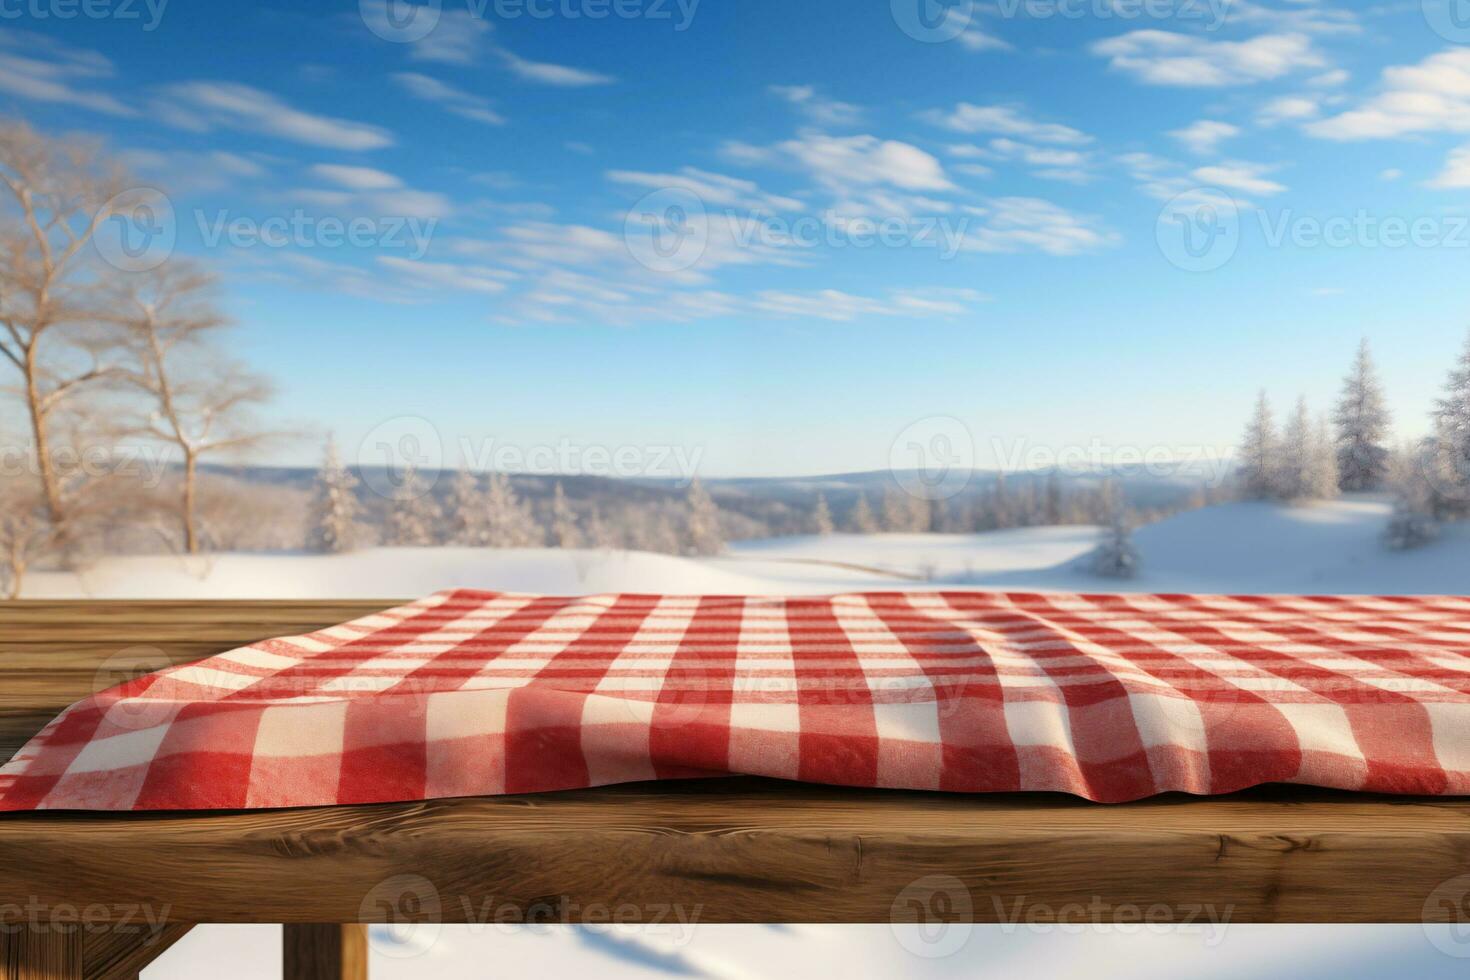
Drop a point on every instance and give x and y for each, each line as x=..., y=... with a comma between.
x=465, y=693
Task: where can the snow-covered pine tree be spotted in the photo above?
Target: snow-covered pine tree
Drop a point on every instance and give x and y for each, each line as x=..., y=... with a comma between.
x=1259, y=453
x=862, y=520
x=1322, y=476
x=1294, y=455
x=465, y=517
x=334, y=507
x=599, y=533
x=702, y=522
x=921, y=513
x=822, y=517
x=897, y=516
x=1115, y=556
x=1452, y=442
x=564, y=530
x=1051, y=514
x=1413, y=523
x=509, y=523
x=413, y=516
x=1361, y=421
x=1002, y=507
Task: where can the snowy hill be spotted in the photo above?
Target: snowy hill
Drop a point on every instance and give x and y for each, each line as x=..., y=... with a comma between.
x=1240, y=548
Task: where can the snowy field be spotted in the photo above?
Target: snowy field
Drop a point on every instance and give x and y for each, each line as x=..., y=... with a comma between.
x=1237, y=548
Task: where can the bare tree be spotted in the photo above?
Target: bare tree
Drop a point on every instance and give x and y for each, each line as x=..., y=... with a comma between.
x=199, y=402
x=26, y=533
x=54, y=195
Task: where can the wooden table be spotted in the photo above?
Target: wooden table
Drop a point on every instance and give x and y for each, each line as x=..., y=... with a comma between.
x=732, y=850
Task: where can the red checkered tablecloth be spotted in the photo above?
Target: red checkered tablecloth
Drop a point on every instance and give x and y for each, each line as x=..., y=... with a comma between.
x=1109, y=697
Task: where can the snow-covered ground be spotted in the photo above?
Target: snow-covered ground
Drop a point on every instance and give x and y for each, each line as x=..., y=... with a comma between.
x=1238, y=548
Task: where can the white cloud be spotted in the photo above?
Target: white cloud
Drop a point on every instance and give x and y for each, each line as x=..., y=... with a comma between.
x=1005, y=121
x=545, y=73
x=842, y=307
x=202, y=106
x=865, y=175
x=356, y=178
x=1166, y=58
x=1431, y=96
x=1025, y=224
x=186, y=171
x=466, y=278
x=843, y=161
x=970, y=34
x=1307, y=16
x=454, y=100
x=1288, y=108
x=823, y=111
x=1204, y=136
x=369, y=192
x=42, y=70
x=1329, y=79
x=456, y=37
x=1239, y=176
x=714, y=190
x=1048, y=162
x=1391, y=174
x=1456, y=172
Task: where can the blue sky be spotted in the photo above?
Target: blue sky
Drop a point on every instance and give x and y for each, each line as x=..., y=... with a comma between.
x=863, y=229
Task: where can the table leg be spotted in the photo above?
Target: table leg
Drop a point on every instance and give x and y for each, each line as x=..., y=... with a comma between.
x=325, y=952
x=40, y=954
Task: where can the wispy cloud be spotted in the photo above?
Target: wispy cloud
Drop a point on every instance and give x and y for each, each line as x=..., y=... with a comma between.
x=203, y=106
x=454, y=100
x=34, y=67
x=1030, y=224
x=820, y=110
x=1167, y=58
x=714, y=190
x=1004, y=120
x=1239, y=175
x=545, y=73
x=1205, y=136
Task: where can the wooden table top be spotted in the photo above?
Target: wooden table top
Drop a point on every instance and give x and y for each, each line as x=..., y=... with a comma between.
x=724, y=850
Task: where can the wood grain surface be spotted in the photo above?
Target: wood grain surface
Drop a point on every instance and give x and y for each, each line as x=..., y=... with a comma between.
x=312, y=951
x=731, y=850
